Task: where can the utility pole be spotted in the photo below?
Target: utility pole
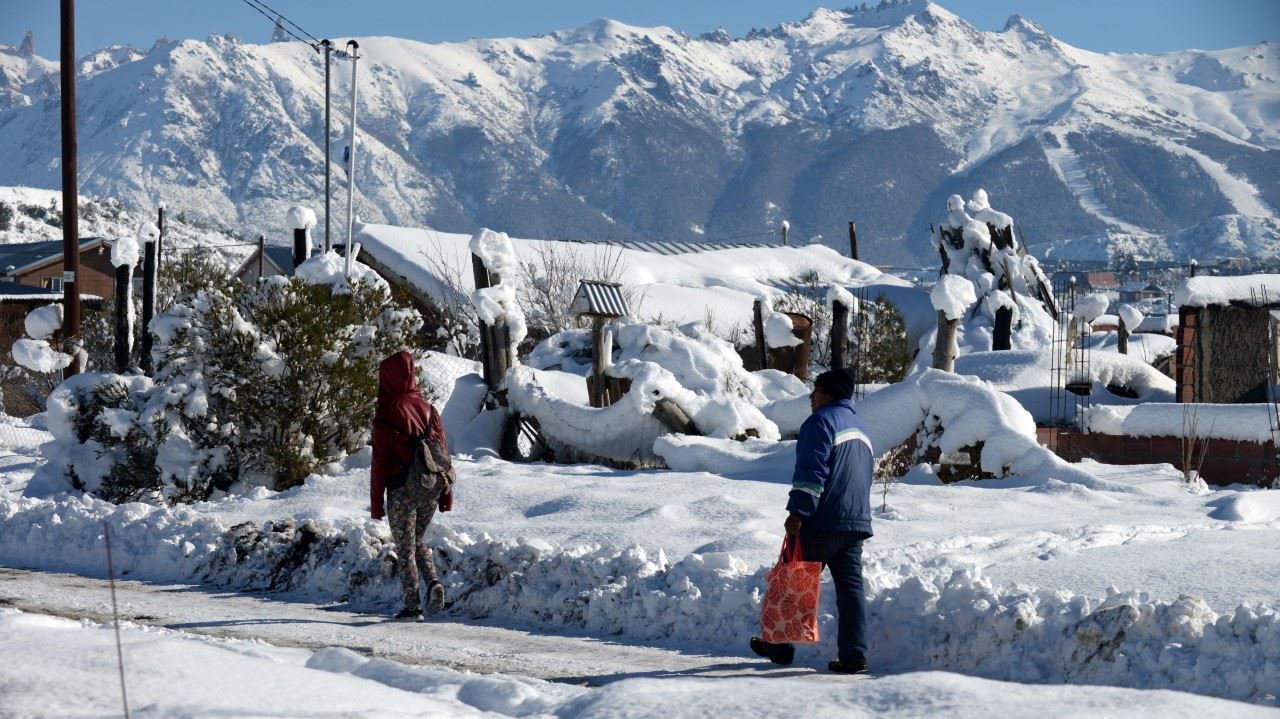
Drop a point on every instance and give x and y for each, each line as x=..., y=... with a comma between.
x=353, y=48
x=328, y=153
x=70, y=192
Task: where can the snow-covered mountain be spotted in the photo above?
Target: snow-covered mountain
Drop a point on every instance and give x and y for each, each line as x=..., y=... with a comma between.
x=607, y=130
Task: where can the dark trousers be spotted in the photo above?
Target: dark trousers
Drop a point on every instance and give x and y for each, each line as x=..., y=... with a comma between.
x=842, y=553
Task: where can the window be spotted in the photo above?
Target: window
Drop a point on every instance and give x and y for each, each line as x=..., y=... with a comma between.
x=52, y=283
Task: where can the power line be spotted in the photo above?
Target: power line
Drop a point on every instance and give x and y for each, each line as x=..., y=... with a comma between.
x=267, y=11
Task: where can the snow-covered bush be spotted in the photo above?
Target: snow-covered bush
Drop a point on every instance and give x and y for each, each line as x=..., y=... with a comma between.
x=267, y=383
x=883, y=337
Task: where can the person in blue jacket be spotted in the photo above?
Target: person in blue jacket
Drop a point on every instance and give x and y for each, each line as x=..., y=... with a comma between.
x=830, y=510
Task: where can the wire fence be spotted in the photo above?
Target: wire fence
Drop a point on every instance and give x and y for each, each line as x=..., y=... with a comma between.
x=16, y=434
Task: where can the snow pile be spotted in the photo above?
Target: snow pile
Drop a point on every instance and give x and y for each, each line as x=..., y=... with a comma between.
x=952, y=413
x=1025, y=376
x=330, y=269
x=690, y=366
x=622, y=432
x=1131, y=316
x=1240, y=422
x=42, y=322
x=1205, y=291
x=952, y=296
x=38, y=356
x=300, y=217
x=922, y=613
x=1090, y=307
x=497, y=304
x=777, y=326
x=35, y=353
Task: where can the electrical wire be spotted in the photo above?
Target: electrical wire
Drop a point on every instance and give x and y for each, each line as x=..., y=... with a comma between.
x=267, y=11
x=314, y=39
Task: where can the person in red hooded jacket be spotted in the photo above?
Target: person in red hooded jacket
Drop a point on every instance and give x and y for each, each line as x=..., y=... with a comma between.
x=402, y=416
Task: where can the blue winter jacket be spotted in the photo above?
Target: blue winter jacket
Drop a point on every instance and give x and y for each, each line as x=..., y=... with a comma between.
x=831, y=487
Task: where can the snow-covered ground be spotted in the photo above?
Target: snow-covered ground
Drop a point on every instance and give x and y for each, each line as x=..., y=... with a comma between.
x=60, y=667
x=1034, y=581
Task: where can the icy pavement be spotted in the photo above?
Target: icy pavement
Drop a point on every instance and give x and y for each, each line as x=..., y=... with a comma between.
x=278, y=659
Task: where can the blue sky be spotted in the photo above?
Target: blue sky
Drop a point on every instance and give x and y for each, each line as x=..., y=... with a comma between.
x=1102, y=25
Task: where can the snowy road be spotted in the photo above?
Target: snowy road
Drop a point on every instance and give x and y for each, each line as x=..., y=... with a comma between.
x=481, y=648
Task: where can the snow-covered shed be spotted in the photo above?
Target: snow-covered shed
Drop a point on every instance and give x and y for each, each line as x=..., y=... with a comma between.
x=673, y=281
x=1228, y=346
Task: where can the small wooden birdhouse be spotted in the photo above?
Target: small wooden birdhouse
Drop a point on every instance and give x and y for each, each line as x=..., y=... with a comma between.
x=602, y=302
x=595, y=298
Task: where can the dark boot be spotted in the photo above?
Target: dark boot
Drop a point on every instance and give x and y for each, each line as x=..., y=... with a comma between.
x=776, y=653
x=840, y=667
x=409, y=614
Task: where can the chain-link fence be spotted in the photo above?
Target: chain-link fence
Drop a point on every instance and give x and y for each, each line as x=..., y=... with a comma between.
x=438, y=372
x=16, y=434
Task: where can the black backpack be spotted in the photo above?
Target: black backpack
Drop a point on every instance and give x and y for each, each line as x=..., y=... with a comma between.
x=430, y=460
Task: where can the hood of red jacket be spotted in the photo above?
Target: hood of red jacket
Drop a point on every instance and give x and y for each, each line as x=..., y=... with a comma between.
x=396, y=379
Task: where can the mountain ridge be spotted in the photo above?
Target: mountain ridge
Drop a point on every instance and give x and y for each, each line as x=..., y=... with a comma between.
x=610, y=130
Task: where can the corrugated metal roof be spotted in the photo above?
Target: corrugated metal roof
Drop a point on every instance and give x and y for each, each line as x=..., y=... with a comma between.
x=675, y=248
x=599, y=298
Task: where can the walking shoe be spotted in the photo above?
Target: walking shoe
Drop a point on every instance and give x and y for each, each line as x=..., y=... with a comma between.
x=435, y=597
x=840, y=667
x=776, y=653
x=408, y=614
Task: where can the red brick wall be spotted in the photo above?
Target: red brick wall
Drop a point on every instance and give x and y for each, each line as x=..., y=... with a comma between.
x=1226, y=461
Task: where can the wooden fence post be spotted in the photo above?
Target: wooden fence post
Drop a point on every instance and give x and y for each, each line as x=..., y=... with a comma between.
x=853, y=240
x=124, y=276
x=149, y=252
x=944, y=346
x=757, y=321
x=300, y=246
x=262, y=254
x=1122, y=337
x=839, y=333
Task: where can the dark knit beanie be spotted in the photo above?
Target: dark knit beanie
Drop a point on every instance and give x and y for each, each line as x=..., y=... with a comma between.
x=837, y=382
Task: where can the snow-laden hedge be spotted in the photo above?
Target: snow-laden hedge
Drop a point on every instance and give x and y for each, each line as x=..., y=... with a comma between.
x=267, y=382
x=922, y=615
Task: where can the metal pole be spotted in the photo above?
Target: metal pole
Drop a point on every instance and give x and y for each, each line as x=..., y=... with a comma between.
x=353, y=50
x=70, y=191
x=328, y=153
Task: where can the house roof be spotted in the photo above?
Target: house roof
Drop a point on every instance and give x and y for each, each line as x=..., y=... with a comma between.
x=280, y=256
x=13, y=291
x=26, y=256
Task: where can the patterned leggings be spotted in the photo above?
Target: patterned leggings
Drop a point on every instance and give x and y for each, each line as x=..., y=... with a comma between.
x=409, y=511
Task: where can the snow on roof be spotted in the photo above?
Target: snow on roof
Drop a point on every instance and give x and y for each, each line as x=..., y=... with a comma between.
x=1255, y=290
x=679, y=287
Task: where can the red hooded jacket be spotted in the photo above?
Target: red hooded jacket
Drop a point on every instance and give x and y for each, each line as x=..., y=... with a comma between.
x=400, y=406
